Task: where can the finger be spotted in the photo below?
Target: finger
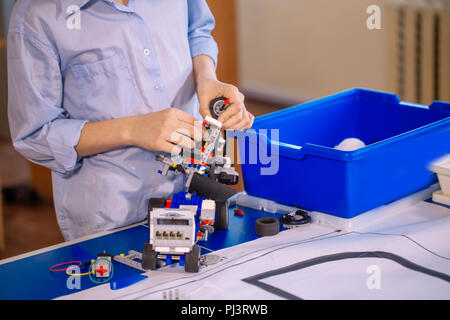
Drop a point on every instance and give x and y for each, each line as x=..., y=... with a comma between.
x=236, y=121
x=250, y=122
x=244, y=125
x=236, y=103
x=184, y=128
x=185, y=117
x=229, y=112
x=181, y=140
x=194, y=132
x=169, y=148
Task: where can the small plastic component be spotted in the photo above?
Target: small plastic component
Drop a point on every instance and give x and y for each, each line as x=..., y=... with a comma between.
x=102, y=266
x=267, y=226
x=208, y=210
x=218, y=105
x=238, y=212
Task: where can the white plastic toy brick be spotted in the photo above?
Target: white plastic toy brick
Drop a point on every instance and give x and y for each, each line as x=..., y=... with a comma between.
x=213, y=122
x=208, y=211
x=189, y=207
x=442, y=168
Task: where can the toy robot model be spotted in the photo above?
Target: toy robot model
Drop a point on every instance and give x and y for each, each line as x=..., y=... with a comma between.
x=174, y=230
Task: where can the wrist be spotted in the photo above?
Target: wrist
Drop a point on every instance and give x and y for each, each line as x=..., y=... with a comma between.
x=127, y=135
x=204, y=69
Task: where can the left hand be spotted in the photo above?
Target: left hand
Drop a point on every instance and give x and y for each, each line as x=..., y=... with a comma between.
x=236, y=116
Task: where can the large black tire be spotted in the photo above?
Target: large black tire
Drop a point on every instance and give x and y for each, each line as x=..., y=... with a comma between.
x=149, y=258
x=206, y=187
x=192, y=260
x=221, y=222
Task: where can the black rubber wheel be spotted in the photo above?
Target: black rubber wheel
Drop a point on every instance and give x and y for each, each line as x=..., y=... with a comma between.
x=149, y=258
x=192, y=260
x=154, y=203
x=216, y=106
x=267, y=226
x=221, y=222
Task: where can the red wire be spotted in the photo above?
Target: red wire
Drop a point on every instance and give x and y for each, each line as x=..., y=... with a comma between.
x=60, y=264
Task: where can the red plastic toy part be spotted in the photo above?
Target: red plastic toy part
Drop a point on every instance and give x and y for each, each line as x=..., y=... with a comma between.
x=238, y=212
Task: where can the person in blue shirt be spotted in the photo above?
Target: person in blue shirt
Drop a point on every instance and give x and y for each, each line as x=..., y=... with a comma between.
x=98, y=87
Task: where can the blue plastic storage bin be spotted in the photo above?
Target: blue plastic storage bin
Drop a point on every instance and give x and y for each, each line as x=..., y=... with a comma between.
x=401, y=140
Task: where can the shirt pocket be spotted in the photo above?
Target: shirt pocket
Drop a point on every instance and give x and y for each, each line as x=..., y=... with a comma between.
x=106, y=88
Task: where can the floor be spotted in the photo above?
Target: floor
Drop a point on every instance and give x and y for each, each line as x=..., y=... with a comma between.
x=30, y=223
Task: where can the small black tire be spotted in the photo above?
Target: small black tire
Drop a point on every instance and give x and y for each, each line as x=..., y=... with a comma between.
x=217, y=110
x=149, y=257
x=268, y=226
x=192, y=260
x=221, y=221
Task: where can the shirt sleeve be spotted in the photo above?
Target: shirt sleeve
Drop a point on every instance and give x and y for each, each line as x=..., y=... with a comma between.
x=201, y=23
x=41, y=129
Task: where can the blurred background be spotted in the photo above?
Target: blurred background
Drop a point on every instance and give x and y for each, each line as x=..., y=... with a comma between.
x=279, y=53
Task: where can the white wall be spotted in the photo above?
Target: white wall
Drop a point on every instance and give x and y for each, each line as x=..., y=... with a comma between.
x=303, y=49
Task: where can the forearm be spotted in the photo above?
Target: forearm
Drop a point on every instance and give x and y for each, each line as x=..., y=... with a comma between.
x=204, y=68
x=102, y=136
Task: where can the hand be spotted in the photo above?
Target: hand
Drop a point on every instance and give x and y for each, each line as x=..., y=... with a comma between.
x=236, y=116
x=168, y=130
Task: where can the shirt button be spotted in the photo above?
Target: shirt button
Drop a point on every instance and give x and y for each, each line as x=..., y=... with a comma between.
x=156, y=88
x=146, y=51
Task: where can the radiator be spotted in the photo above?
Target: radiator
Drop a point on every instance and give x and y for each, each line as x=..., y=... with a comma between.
x=420, y=46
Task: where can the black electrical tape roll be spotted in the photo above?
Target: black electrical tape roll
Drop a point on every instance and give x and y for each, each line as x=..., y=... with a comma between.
x=267, y=226
x=206, y=187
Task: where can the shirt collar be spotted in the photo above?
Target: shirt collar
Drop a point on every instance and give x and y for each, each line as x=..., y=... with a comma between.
x=82, y=3
x=67, y=3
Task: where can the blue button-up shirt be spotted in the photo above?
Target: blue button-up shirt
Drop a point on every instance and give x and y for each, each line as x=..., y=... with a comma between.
x=73, y=61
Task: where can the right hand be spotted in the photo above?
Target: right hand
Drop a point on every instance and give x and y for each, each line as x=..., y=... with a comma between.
x=168, y=130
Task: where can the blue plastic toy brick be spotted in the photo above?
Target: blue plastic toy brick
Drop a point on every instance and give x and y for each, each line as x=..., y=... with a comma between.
x=401, y=140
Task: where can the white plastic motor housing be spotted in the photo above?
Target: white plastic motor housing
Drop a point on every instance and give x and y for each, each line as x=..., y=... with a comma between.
x=442, y=168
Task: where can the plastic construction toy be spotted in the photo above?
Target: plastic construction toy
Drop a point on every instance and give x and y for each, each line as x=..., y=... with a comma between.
x=177, y=224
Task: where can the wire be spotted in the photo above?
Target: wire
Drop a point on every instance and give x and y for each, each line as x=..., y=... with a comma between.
x=52, y=268
x=76, y=274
